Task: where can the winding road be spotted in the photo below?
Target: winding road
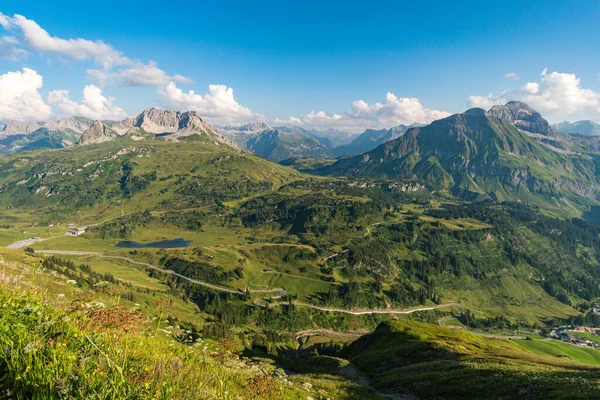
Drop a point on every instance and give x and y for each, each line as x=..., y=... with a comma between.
x=261, y=301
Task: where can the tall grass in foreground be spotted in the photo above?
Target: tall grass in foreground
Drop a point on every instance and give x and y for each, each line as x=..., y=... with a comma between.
x=88, y=351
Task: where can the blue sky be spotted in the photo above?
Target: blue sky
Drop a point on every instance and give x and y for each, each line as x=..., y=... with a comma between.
x=285, y=59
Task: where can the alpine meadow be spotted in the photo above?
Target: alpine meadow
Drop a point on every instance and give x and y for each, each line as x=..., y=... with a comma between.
x=394, y=204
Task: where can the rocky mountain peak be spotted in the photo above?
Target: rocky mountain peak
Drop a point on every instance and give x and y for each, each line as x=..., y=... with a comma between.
x=585, y=127
x=522, y=116
x=13, y=127
x=98, y=132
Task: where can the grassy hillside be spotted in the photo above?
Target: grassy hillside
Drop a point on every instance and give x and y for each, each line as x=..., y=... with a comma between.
x=62, y=339
x=434, y=362
x=108, y=179
x=477, y=156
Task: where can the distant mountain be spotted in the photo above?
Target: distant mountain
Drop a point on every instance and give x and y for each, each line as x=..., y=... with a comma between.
x=522, y=116
x=248, y=128
x=279, y=143
x=75, y=124
x=163, y=122
x=334, y=138
x=17, y=136
x=19, y=127
x=97, y=133
x=284, y=142
x=585, y=127
x=370, y=139
x=479, y=155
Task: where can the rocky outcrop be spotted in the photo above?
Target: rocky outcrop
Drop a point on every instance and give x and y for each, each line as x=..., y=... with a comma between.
x=19, y=128
x=97, y=133
x=522, y=116
x=586, y=127
x=76, y=124
x=252, y=127
x=161, y=122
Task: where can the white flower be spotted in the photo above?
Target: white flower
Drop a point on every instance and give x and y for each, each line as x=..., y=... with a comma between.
x=72, y=282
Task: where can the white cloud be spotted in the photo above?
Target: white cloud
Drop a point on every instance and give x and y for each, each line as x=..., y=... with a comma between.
x=73, y=49
x=391, y=112
x=488, y=101
x=9, y=49
x=5, y=22
x=116, y=67
x=512, y=75
x=557, y=96
x=218, y=105
x=93, y=105
x=138, y=75
x=561, y=96
x=19, y=96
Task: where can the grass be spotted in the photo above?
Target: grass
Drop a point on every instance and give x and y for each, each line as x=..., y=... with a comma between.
x=558, y=349
x=428, y=361
x=79, y=344
x=103, y=355
x=121, y=270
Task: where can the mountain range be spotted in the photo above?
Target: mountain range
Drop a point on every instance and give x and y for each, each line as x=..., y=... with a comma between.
x=370, y=139
x=278, y=143
x=585, y=127
x=509, y=153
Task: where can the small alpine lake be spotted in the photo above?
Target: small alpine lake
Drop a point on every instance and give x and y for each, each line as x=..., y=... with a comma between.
x=162, y=244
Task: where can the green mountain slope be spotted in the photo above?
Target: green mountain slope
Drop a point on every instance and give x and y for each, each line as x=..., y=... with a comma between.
x=135, y=175
x=476, y=155
x=283, y=143
x=406, y=357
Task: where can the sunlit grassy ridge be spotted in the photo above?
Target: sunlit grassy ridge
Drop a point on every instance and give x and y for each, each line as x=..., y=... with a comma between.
x=69, y=346
x=434, y=362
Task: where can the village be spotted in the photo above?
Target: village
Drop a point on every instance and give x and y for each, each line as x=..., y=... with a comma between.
x=568, y=334
x=77, y=231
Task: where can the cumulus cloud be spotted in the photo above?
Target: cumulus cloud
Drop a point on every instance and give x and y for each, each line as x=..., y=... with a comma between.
x=218, y=105
x=94, y=104
x=512, y=75
x=9, y=49
x=116, y=68
x=391, y=112
x=5, y=21
x=557, y=96
x=20, y=98
x=139, y=74
x=73, y=49
x=488, y=101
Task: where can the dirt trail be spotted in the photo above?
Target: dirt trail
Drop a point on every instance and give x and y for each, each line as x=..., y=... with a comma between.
x=260, y=302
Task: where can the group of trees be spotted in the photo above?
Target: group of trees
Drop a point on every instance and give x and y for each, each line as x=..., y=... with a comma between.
x=124, y=227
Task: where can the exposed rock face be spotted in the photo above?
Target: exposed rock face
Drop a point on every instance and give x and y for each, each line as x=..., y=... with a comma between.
x=97, y=133
x=122, y=127
x=282, y=143
x=248, y=128
x=522, y=116
x=586, y=127
x=164, y=122
x=76, y=124
x=19, y=128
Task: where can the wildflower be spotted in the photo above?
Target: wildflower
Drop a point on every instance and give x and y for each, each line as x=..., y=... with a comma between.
x=72, y=282
x=60, y=295
x=31, y=347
